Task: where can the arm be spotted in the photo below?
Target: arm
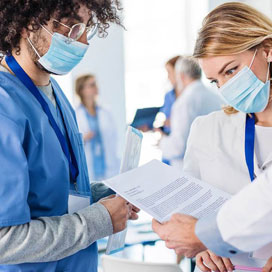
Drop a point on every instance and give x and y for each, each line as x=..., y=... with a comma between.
x=243, y=223
x=53, y=238
x=23, y=239
x=245, y=220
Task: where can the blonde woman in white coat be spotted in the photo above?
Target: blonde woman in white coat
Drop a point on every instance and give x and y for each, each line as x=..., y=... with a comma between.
x=229, y=148
x=99, y=132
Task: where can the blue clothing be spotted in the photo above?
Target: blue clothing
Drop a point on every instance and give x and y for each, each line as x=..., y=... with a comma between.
x=169, y=100
x=209, y=234
x=35, y=180
x=97, y=148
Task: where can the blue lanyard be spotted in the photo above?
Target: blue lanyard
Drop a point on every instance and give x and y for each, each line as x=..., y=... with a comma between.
x=249, y=144
x=65, y=145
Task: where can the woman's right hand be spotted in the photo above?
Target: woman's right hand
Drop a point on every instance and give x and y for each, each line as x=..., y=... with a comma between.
x=88, y=136
x=208, y=261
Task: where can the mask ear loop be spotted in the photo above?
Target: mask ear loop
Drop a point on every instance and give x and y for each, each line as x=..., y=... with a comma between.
x=32, y=45
x=253, y=58
x=48, y=31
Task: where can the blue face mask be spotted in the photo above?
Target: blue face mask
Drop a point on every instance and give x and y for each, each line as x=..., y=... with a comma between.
x=63, y=55
x=245, y=92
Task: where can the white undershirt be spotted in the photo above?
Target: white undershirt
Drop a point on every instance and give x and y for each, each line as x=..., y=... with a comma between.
x=263, y=144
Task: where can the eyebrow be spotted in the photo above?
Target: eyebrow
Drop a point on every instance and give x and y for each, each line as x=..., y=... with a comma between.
x=224, y=66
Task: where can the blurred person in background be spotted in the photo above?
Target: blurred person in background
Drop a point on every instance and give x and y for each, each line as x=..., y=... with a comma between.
x=170, y=96
x=99, y=131
x=193, y=100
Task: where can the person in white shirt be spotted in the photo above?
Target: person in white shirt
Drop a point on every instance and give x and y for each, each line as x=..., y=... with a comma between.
x=230, y=148
x=194, y=100
x=99, y=131
x=232, y=230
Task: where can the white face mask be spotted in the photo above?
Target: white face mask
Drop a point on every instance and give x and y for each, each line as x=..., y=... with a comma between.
x=246, y=92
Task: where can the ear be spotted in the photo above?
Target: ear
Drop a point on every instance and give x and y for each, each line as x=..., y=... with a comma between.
x=269, y=55
x=24, y=33
x=267, y=49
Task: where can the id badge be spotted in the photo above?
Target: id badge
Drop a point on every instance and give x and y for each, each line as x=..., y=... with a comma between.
x=77, y=202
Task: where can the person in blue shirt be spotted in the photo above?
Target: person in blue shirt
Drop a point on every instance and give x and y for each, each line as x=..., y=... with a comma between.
x=170, y=96
x=99, y=131
x=50, y=216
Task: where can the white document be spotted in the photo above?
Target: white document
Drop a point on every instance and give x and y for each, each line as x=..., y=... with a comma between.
x=161, y=191
x=130, y=160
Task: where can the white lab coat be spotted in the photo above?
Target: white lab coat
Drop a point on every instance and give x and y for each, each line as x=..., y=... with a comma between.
x=109, y=139
x=196, y=100
x=215, y=154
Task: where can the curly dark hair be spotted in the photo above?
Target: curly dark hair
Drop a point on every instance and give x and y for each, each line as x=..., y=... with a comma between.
x=16, y=15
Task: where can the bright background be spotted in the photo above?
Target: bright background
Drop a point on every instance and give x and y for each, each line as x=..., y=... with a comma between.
x=129, y=65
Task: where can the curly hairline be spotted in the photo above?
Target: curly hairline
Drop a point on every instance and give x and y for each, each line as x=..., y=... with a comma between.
x=19, y=14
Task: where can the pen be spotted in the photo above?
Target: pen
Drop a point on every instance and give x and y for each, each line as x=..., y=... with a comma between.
x=247, y=268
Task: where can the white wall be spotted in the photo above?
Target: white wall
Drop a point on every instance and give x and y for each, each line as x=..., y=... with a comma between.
x=156, y=31
x=105, y=59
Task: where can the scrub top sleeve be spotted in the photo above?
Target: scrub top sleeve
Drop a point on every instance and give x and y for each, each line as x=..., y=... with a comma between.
x=14, y=209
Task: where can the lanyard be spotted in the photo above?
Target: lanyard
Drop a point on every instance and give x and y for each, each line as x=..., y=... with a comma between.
x=249, y=144
x=65, y=145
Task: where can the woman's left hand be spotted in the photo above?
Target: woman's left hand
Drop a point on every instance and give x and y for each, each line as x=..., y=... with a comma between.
x=268, y=266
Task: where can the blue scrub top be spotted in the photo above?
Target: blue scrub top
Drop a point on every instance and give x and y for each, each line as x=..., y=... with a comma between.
x=169, y=100
x=34, y=171
x=97, y=147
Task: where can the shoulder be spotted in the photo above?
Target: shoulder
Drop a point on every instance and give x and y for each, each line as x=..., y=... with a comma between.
x=219, y=119
x=10, y=98
x=207, y=129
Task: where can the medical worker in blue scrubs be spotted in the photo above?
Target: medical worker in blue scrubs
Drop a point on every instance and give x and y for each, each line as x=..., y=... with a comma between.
x=50, y=217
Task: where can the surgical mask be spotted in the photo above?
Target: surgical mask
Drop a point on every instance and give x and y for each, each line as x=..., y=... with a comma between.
x=246, y=92
x=63, y=55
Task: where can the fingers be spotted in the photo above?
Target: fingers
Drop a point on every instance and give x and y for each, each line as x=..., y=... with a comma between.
x=200, y=263
x=268, y=266
x=133, y=216
x=135, y=209
x=209, y=261
x=218, y=261
x=228, y=264
x=157, y=226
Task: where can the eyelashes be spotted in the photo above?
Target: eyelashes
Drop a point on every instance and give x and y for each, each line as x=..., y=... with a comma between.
x=227, y=73
x=231, y=71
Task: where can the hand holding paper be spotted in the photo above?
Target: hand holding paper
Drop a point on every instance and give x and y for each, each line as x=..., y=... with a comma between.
x=161, y=191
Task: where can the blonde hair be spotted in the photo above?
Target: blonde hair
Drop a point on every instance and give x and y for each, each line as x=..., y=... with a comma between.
x=232, y=28
x=80, y=82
